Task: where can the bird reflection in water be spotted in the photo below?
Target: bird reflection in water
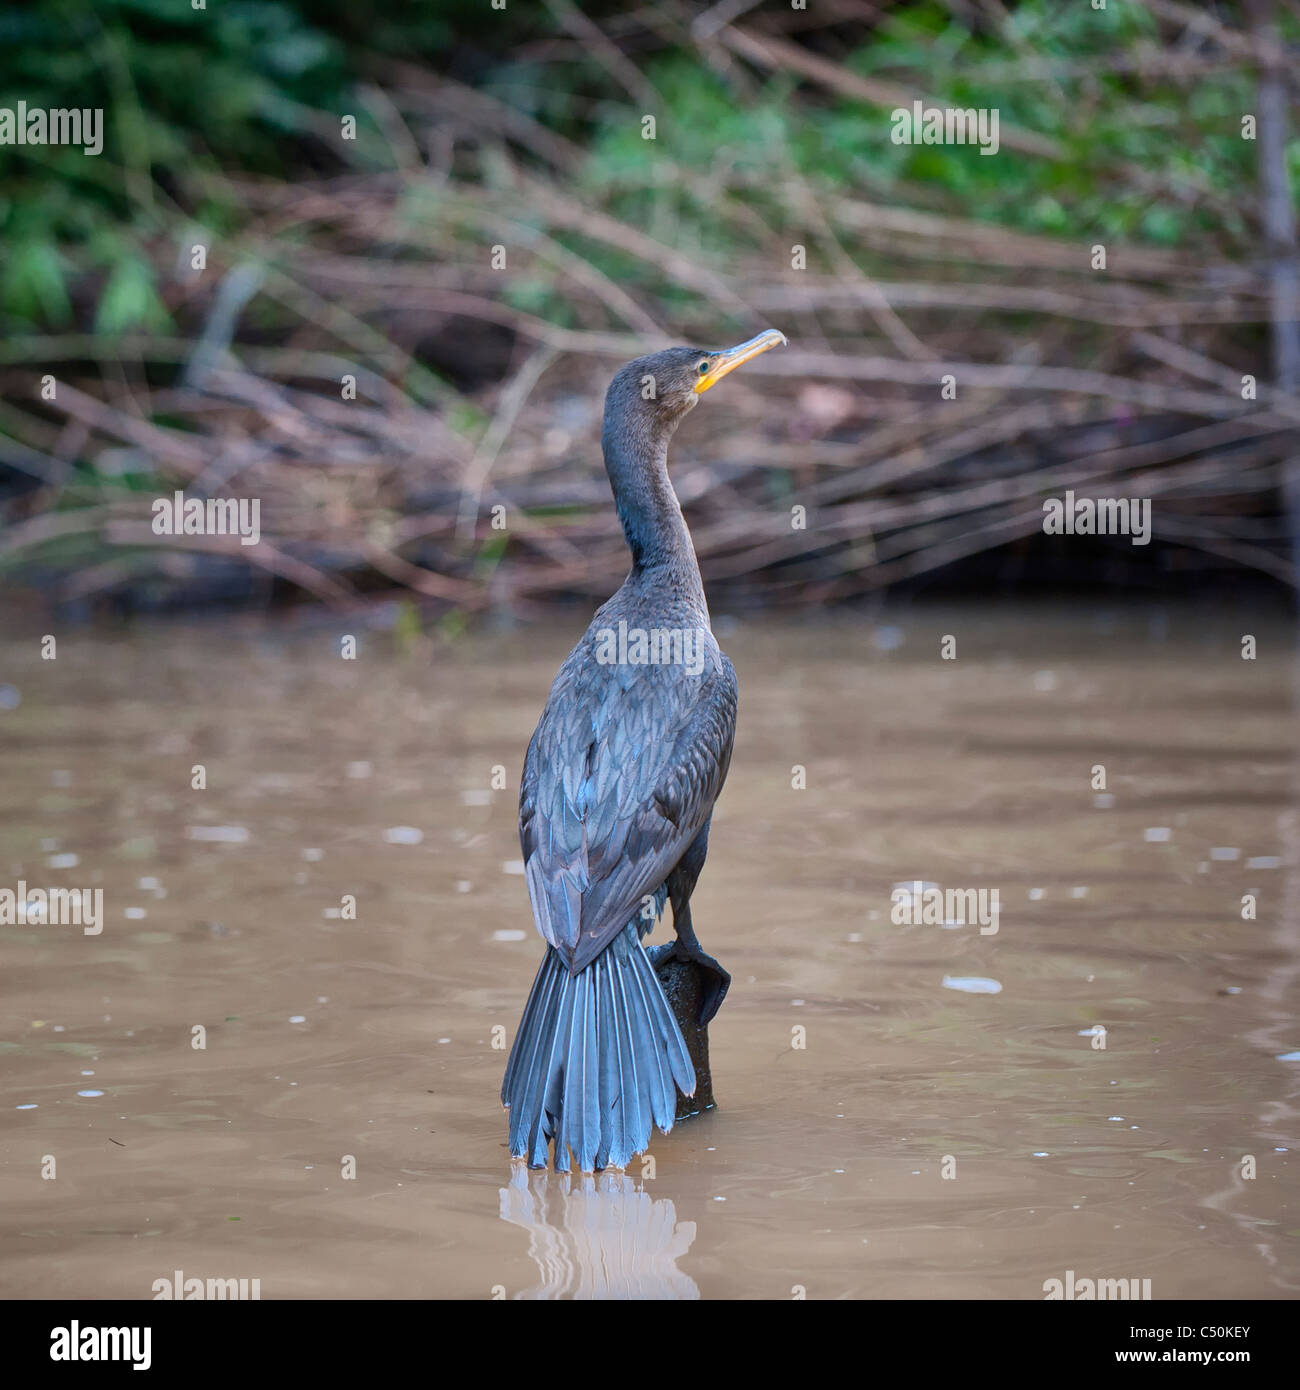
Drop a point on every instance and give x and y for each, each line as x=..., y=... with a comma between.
x=598, y=1236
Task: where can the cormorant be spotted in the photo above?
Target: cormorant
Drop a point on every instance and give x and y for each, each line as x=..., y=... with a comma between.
x=618, y=788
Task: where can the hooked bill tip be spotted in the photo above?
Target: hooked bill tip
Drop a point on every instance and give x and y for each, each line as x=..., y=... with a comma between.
x=731, y=358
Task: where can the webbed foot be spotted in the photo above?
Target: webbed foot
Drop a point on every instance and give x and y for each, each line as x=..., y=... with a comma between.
x=714, y=985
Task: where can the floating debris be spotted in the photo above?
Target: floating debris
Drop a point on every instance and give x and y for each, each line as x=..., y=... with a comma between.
x=403, y=835
x=971, y=984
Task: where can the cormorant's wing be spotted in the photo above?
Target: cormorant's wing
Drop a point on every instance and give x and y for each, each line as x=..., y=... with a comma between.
x=620, y=777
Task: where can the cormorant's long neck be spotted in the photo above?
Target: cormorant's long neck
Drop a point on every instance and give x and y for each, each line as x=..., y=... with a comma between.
x=651, y=515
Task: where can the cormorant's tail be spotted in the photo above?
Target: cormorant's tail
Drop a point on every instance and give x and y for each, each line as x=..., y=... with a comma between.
x=598, y=1056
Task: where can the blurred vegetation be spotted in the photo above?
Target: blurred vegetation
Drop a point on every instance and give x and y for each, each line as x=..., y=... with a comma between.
x=258, y=87
x=223, y=128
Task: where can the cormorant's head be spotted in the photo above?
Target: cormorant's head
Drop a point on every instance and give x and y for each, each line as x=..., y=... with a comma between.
x=658, y=390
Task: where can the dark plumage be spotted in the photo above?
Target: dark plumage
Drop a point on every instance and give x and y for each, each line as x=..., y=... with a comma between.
x=618, y=787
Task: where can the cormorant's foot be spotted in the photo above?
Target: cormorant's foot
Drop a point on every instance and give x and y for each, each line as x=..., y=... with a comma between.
x=715, y=984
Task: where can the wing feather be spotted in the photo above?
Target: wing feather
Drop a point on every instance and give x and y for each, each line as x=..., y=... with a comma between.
x=621, y=775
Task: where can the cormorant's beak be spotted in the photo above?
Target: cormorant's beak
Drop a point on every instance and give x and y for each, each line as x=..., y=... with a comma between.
x=731, y=358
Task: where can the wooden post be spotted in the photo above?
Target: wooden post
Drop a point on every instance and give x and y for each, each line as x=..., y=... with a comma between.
x=682, y=983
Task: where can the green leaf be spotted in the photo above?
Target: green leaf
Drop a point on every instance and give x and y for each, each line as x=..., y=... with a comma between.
x=34, y=284
x=130, y=299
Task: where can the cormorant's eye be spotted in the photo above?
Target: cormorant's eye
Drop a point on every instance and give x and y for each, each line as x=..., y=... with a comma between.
x=703, y=367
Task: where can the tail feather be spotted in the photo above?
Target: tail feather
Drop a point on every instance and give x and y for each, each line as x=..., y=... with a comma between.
x=525, y=1056
x=663, y=1098
x=581, y=1102
x=634, y=1059
x=542, y=1125
x=597, y=1059
x=529, y=1059
x=613, y=1136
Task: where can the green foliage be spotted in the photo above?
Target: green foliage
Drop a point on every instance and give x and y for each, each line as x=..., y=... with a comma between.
x=255, y=87
x=407, y=629
x=130, y=299
x=33, y=283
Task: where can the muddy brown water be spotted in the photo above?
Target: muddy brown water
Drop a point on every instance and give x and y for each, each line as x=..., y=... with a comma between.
x=856, y=1061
